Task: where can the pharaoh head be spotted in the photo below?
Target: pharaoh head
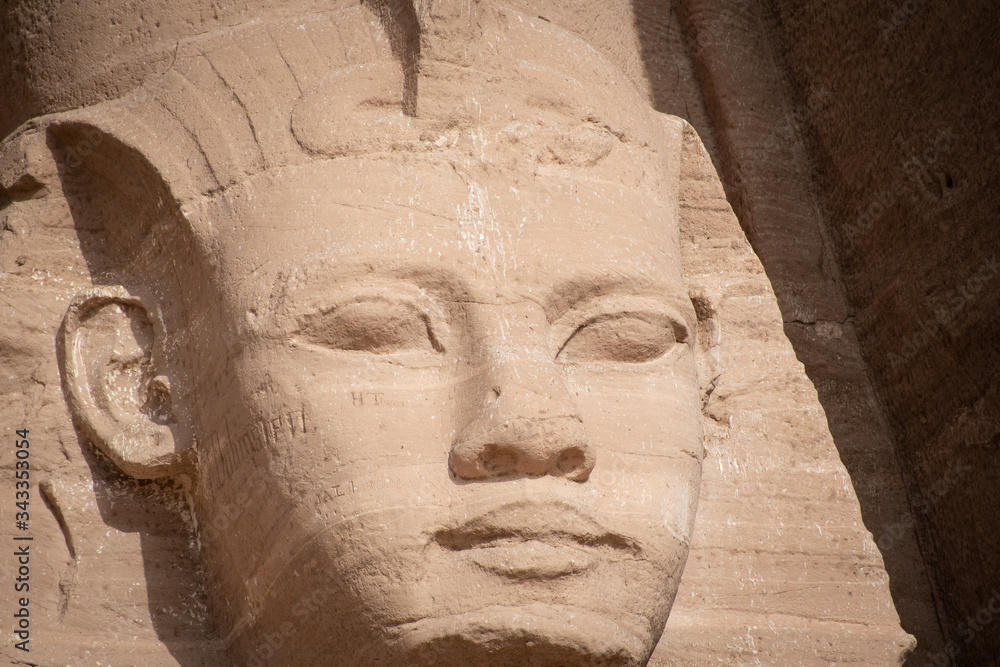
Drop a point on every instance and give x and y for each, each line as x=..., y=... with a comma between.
x=418, y=340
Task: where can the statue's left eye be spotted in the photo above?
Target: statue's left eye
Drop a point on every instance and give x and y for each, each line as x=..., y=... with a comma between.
x=622, y=337
x=378, y=326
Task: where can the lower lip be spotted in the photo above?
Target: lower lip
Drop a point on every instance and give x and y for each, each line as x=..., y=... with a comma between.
x=530, y=559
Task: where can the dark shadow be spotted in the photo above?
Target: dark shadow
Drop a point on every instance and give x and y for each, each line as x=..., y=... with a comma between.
x=118, y=203
x=175, y=581
x=399, y=20
x=677, y=55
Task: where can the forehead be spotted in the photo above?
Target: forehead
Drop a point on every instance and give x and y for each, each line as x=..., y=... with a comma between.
x=501, y=226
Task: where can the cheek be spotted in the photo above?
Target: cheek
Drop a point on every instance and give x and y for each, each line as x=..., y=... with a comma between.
x=645, y=422
x=366, y=410
x=378, y=434
x=643, y=410
x=375, y=436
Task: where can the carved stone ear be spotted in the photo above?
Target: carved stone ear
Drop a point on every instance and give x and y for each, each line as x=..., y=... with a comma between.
x=709, y=337
x=114, y=392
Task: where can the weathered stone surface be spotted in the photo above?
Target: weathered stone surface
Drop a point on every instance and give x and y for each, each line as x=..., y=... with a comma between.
x=426, y=365
x=769, y=508
x=759, y=121
x=905, y=152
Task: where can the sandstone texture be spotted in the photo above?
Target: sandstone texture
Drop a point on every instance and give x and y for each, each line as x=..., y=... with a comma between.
x=738, y=95
x=395, y=333
x=904, y=137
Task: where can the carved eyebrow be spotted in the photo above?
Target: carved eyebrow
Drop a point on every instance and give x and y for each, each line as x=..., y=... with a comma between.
x=443, y=283
x=556, y=298
x=338, y=276
x=574, y=292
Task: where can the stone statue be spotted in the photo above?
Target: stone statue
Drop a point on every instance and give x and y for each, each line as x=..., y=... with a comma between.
x=399, y=301
x=403, y=355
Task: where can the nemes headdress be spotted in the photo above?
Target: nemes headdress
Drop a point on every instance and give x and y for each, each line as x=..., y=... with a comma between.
x=379, y=76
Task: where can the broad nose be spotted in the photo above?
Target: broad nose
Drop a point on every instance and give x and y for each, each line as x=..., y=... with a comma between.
x=525, y=421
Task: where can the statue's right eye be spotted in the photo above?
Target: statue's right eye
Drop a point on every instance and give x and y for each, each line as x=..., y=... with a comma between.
x=377, y=326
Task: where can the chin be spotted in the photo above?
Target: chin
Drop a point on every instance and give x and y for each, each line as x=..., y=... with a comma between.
x=538, y=634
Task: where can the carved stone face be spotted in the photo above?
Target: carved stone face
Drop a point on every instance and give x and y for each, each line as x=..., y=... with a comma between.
x=461, y=420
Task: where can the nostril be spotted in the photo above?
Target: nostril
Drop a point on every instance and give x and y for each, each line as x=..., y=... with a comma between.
x=498, y=460
x=572, y=463
x=521, y=446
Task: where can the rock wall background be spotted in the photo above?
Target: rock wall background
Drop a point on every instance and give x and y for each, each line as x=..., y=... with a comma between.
x=858, y=142
x=905, y=150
